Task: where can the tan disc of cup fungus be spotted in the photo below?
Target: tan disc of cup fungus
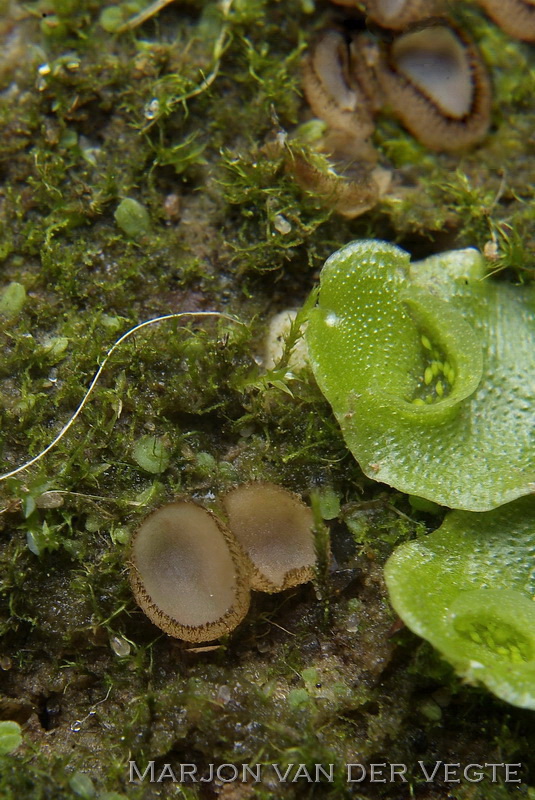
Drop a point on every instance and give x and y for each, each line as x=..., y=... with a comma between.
x=435, y=82
x=275, y=530
x=187, y=573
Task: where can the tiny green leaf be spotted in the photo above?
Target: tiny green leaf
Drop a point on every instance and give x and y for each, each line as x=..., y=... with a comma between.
x=42, y=538
x=10, y=737
x=329, y=503
x=55, y=347
x=298, y=697
x=12, y=299
x=150, y=454
x=111, y=18
x=132, y=218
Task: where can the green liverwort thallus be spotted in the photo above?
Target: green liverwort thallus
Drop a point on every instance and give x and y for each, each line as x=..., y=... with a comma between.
x=429, y=369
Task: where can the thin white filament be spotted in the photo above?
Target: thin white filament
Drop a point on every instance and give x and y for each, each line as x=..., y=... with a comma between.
x=99, y=371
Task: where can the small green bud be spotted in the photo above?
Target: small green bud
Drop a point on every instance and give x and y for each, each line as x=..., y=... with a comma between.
x=132, y=218
x=329, y=503
x=111, y=18
x=12, y=299
x=10, y=737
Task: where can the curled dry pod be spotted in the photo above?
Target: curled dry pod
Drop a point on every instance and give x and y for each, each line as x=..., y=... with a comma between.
x=397, y=14
x=350, y=190
x=516, y=17
x=275, y=530
x=341, y=90
x=187, y=573
x=332, y=89
x=435, y=82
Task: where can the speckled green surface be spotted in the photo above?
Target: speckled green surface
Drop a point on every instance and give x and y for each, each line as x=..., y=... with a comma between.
x=468, y=588
x=429, y=370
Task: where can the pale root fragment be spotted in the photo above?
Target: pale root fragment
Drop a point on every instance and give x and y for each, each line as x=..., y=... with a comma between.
x=275, y=342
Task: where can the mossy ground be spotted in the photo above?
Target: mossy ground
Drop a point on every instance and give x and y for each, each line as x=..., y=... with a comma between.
x=188, y=114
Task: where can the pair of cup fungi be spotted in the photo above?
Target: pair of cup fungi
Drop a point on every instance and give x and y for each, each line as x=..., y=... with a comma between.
x=423, y=67
x=192, y=574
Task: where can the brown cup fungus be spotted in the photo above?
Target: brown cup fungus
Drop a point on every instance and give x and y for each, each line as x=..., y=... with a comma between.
x=430, y=75
x=350, y=190
x=421, y=66
x=344, y=174
x=435, y=82
x=516, y=17
x=331, y=87
x=275, y=530
x=187, y=573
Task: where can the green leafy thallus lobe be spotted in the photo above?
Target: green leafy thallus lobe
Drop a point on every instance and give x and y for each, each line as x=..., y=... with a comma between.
x=429, y=371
